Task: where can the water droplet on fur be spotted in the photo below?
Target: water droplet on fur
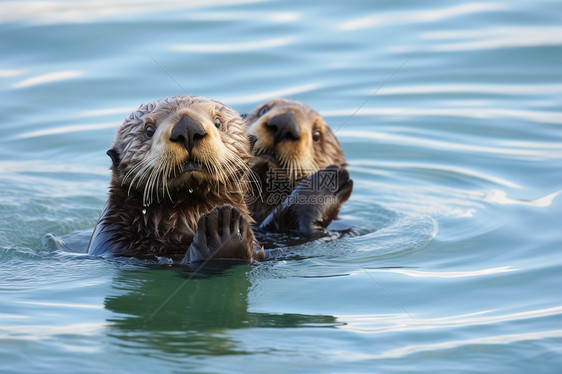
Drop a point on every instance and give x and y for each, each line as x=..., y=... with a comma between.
x=191, y=190
x=144, y=211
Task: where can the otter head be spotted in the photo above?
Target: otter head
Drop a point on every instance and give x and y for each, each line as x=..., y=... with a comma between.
x=293, y=136
x=175, y=146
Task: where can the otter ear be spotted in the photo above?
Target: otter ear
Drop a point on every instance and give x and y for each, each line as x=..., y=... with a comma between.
x=114, y=155
x=253, y=140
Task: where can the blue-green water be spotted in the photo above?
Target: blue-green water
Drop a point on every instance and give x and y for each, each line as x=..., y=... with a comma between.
x=450, y=114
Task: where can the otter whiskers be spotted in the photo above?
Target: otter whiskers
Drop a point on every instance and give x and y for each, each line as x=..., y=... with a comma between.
x=155, y=174
x=150, y=172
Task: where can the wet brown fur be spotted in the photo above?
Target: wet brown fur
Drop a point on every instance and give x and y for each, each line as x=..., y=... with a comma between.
x=150, y=177
x=300, y=158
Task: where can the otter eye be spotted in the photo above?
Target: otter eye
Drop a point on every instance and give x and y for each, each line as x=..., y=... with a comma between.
x=316, y=135
x=218, y=123
x=149, y=131
x=263, y=111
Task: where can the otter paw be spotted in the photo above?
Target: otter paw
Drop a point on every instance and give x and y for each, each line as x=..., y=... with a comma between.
x=322, y=195
x=221, y=233
x=313, y=204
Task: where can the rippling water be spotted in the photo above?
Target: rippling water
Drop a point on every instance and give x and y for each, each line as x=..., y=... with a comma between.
x=449, y=113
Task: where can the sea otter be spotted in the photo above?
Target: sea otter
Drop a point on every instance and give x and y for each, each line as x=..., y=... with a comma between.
x=179, y=179
x=301, y=167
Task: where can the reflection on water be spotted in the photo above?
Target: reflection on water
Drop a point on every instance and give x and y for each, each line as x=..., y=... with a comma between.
x=190, y=311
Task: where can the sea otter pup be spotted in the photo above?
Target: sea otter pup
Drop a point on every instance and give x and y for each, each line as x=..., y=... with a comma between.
x=301, y=166
x=180, y=177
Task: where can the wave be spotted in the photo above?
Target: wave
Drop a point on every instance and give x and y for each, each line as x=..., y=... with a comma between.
x=48, y=78
x=417, y=16
x=478, y=113
x=59, y=12
x=494, y=38
x=233, y=47
x=544, y=151
x=67, y=130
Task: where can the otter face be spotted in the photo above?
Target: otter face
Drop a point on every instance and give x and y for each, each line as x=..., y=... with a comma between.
x=293, y=136
x=179, y=144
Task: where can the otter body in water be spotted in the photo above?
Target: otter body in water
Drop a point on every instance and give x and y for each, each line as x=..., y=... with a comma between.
x=301, y=166
x=179, y=179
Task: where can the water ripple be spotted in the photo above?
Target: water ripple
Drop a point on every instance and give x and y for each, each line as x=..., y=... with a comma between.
x=494, y=38
x=424, y=200
x=417, y=16
x=479, y=113
x=553, y=151
x=40, y=332
x=233, y=47
x=62, y=305
x=448, y=274
x=426, y=167
x=396, y=232
x=10, y=73
x=500, y=197
x=107, y=112
x=265, y=96
x=41, y=166
x=496, y=89
x=383, y=323
x=48, y=78
x=490, y=340
x=67, y=129
x=59, y=12
x=278, y=17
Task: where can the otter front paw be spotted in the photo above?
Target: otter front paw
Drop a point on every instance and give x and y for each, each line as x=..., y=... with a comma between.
x=222, y=233
x=313, y=204
x=323, y=193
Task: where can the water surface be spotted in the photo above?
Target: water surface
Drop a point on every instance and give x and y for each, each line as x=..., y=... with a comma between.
x=450, y=116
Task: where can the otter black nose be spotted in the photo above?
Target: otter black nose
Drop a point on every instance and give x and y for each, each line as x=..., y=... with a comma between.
x=284, y=127
x=187, y=132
